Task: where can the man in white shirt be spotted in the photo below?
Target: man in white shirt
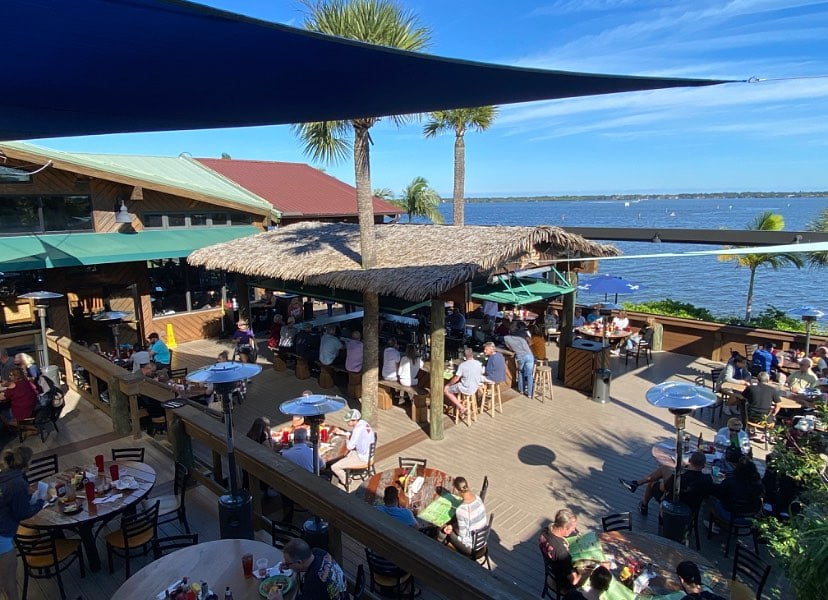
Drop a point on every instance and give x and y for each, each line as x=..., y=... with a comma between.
x=301, y=453
x=621, y=321
x=390, y=360
x=467, y=379
x=358, y=445
x=329, y=346
x=490, y=308
x=579, y=320
x=139, y=357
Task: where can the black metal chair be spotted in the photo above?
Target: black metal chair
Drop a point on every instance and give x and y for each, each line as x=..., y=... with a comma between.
x=639, y=347
x=361, y=473
x=617, y=522
x=45, y=556
x=179, y=373
x=721, y=397
x=171, y=543
x=388, y=577
x=359, y=584
x=137, y=532
x=408, y=463
x=739, y=524
x=282, y=533
x=550, y=583
x=41, y=468
x=173, y=506
x=750, y=567
x=484, y=488
x=136, y=454
x=480, y=544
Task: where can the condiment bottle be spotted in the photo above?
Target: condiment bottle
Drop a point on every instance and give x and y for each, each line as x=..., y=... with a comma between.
x=228, y=595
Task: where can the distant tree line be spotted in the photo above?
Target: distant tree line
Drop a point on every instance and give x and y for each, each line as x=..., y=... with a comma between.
x=629, y=197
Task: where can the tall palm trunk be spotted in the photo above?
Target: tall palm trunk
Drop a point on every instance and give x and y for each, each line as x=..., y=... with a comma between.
x=459, y=179
x=749, y=304
x=367, y=247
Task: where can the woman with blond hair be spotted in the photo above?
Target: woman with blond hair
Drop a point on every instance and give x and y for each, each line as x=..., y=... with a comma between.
x=15, y=506
x=27, y=363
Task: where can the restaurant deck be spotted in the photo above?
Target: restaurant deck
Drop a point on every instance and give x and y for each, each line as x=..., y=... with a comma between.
x=539, y=457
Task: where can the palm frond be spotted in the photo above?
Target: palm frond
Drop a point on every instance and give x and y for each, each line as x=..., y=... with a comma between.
x=422, y=201
x=819, y=260
x=325, y=140
x=460, y=120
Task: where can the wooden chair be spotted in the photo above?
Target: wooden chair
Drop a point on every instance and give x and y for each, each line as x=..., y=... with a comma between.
x=388, y=577
x=173, y=506
x=45, y=556
x=617, y=522
x=751, y=567
x=408, y=463
x=137, y=532
x=41, y=468
x=136, y=454
x=282, y=533
x=179, y=373
x=480, y=545
x=361, y=473
x=484, y=488
x=766, y=427
x=171, y=543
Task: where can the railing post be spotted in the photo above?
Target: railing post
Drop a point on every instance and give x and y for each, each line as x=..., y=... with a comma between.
x=335, y=543
x=182, y=444
x=119, y=404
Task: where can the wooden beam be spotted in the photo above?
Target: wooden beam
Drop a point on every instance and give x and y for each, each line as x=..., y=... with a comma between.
x=438, y=353
x=444, y=571
x=715, y=237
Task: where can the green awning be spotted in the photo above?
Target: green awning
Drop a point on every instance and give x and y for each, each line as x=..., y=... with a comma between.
x=519, y=291
x=388, y=304
x=48, y=251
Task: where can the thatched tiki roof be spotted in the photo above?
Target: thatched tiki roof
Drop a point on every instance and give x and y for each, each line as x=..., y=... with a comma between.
x=414, y=262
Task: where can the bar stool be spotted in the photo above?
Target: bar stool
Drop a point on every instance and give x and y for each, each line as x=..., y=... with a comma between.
x=542, y=386
x=468, y=402
x=491, y=398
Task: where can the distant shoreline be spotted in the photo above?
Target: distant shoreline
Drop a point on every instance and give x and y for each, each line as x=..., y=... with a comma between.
x=633, y=197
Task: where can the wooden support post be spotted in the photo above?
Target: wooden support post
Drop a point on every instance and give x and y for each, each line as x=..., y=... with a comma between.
x=69, y=371
x=438, y=352
x=335, y=543
x=135, y=418
x=567, y=317
x=243, y=298
x=95, y=388
x=119, y=404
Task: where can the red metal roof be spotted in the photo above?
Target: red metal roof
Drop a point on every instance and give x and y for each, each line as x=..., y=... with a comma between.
x=295, y=188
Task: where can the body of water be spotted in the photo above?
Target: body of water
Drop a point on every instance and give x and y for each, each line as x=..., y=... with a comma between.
x=703, y=281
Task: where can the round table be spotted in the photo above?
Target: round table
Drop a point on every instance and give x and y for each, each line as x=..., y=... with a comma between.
x=50, y=517
x=518, y=316
x=664, y=555
x=613, y=335
x=373, y=489
x=218, y=563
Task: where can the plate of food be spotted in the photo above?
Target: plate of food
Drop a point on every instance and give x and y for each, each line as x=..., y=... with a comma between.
x=126, y=482
x=70, y=508
x=281, y=582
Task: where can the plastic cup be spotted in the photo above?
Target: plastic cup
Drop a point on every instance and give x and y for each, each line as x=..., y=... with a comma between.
x=285, y=436
x=323, y=434
x=247, y=565
x=715, y=470
x=261, y=567
x=113, y=472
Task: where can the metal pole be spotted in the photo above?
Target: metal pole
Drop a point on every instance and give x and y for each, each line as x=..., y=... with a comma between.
x=680, y=423
x=808, y=337
x=41, y=311
x=227, y=406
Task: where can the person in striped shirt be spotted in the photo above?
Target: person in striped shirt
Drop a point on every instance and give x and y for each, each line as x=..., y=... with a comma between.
x=469, y=516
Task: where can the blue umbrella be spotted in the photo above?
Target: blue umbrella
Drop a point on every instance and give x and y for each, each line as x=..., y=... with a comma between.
x=609, y=284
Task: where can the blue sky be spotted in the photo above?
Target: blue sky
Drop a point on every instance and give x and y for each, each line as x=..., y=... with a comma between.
x=771, y=135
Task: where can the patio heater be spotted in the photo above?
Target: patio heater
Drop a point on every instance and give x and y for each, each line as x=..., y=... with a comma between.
x=235, y=507
x=41, y=300
x=809, y=315
x=680, y=399
x=113, y=318
x=602, y=377
x=312, y=409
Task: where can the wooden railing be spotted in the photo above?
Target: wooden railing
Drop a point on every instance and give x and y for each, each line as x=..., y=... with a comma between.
x=430, y=562
x=123, y=387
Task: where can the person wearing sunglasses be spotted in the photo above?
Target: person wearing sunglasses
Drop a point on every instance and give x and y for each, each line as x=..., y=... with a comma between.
x=733, y=435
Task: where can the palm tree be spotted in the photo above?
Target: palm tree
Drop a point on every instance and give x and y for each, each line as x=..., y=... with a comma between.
x=820, y=224
x=459, y=120
x=766, y=221
x=384, y=23
x=419, y=200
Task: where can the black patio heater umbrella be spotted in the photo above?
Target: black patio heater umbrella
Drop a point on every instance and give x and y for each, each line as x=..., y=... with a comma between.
x=235, y=507
x=312, y=409
x=41, y=301
x=809, y=315
x=680, y=399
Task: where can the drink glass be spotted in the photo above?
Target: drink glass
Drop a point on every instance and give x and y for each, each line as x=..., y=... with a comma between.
x=323, y=434
x=261, y=567
x=715, y=471
x=285, y=434
x=247, y=565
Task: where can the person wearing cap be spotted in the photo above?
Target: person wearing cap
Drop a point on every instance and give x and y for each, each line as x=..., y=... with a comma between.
x=329, y=346
x=724, y=437
x=690, y=581
x=159, y=352
x=358, y=445
x=301, y=453
x=804, y=378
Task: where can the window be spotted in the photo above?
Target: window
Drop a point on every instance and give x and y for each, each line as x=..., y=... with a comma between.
x=38, y=214
x=196, y=219
x=176, y=221
x=178, y=287
x=153, y=220
x=219, y=219
x=241, y=219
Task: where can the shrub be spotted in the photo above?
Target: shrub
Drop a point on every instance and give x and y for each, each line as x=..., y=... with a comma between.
x=671, y=308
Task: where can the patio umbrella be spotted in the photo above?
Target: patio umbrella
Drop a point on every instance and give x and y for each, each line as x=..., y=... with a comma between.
x=680, y=398
x=113, y=318
x=235, y=508
x=609, y=284
x=808, y=314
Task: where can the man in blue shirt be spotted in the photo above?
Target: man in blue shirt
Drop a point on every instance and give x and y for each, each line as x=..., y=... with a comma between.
x=764, y=360
x=391, y=507
x=159, y=352
x=495, y=363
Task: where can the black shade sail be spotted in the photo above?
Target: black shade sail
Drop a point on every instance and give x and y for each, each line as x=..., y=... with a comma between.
x=109, y=66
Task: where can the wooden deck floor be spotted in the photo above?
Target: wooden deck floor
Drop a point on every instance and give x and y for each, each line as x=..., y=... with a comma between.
x=539, y=457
